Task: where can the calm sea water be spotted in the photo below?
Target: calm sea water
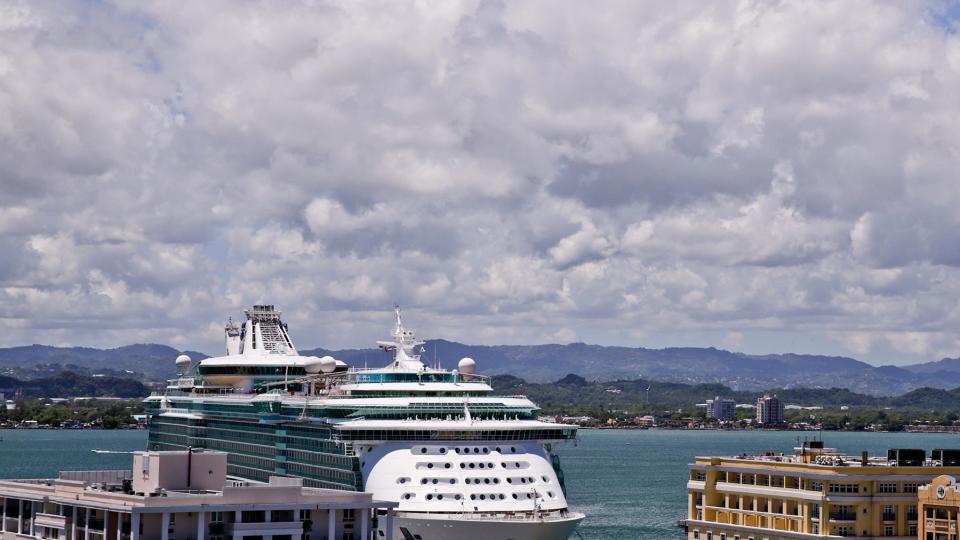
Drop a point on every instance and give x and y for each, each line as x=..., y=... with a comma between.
x=631, y=484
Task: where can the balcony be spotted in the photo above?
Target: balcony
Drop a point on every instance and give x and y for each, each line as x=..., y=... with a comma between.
x=265, y=528
x=843, y=516
x=53, y=521
x=889, y=516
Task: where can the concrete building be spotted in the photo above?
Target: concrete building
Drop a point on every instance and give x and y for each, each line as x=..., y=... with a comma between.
x=814, y=493
x=769, y=411
x=182, y=496
x=939, y=504
x=721, y=408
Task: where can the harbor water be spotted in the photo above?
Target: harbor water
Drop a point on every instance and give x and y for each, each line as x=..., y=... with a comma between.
x=631, y=484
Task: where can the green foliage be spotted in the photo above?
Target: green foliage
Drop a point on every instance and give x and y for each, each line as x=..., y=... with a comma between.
x=574, y=396
x=107, y=414
x=70, y=384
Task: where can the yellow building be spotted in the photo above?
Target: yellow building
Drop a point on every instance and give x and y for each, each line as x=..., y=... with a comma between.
x=939, y=504
x=815, y=493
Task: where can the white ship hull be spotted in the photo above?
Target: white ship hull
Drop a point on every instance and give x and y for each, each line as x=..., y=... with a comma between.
x=426, y=526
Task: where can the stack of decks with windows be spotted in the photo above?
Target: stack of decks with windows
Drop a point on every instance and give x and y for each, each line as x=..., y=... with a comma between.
x=276, y=412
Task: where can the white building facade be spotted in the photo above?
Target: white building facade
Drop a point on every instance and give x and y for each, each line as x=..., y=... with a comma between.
x=182, y=505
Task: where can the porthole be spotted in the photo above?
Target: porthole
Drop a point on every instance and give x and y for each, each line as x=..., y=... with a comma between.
x=498, y=449
x=513, y=449
x=429, y=465
x=550, y=494
x=429, y=497
x=486, y=450
x=406, y=496
x=446, y=465
x=435, y=480
x=514, y=495
x=504, y=465
x=443, y=450
x=473, y=497
x=423, y=450
x=452, y=481
x=463, y=465
x=509, y=480
x=545, y=480
x=424, y=481
x=457, y=497
x=483, y=497
x=496, y=480
x=486, y=480
x=472, y=465
x=466, y=480
x=501, y=496
x=439, y=497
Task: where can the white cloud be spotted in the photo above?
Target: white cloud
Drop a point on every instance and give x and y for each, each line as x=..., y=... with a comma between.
x=511, y=171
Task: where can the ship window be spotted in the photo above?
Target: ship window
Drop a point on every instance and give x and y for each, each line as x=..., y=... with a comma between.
x=435, y=480
x=446, y=465
x=439, y=497
x=486, y=480
x=429, y=465
x=483, y=497
x=423, y=450
x=486, y=450
x=463, y=465
x=545, y=480
x=429, y=496
x=457, y=497
x=443, y=450
x=453, y=481
x=514, y=495
x=424, y=481
x=473, y=497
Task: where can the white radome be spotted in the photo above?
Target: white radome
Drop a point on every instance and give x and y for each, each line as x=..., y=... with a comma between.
x=317, y=365
x=183, y=359
x=467, y=366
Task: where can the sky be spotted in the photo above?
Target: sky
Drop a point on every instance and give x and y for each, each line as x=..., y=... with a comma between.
x=756, y=176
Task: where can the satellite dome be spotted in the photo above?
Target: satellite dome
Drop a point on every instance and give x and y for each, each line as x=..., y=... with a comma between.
x=183, y=364
x=320, y=365
x=467, y=366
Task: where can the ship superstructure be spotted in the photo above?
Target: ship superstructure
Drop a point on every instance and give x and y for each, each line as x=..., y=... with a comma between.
x=461, y=462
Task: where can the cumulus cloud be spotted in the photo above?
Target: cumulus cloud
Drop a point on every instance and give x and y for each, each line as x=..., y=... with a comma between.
x=745, y=174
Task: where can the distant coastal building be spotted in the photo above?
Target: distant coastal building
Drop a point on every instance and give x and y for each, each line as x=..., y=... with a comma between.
x=769, y=411
x=721, y=408
x=816, y=492
x=182, y=495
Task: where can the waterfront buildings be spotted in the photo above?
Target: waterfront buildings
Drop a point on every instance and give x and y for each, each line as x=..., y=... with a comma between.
x=769, y=411
x=814, y=493
x=721, y=408
x=182, y=495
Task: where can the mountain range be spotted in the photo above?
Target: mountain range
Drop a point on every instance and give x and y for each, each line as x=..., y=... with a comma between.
x=543, y=363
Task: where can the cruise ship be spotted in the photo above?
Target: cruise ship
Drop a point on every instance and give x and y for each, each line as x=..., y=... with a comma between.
x=461, y=462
